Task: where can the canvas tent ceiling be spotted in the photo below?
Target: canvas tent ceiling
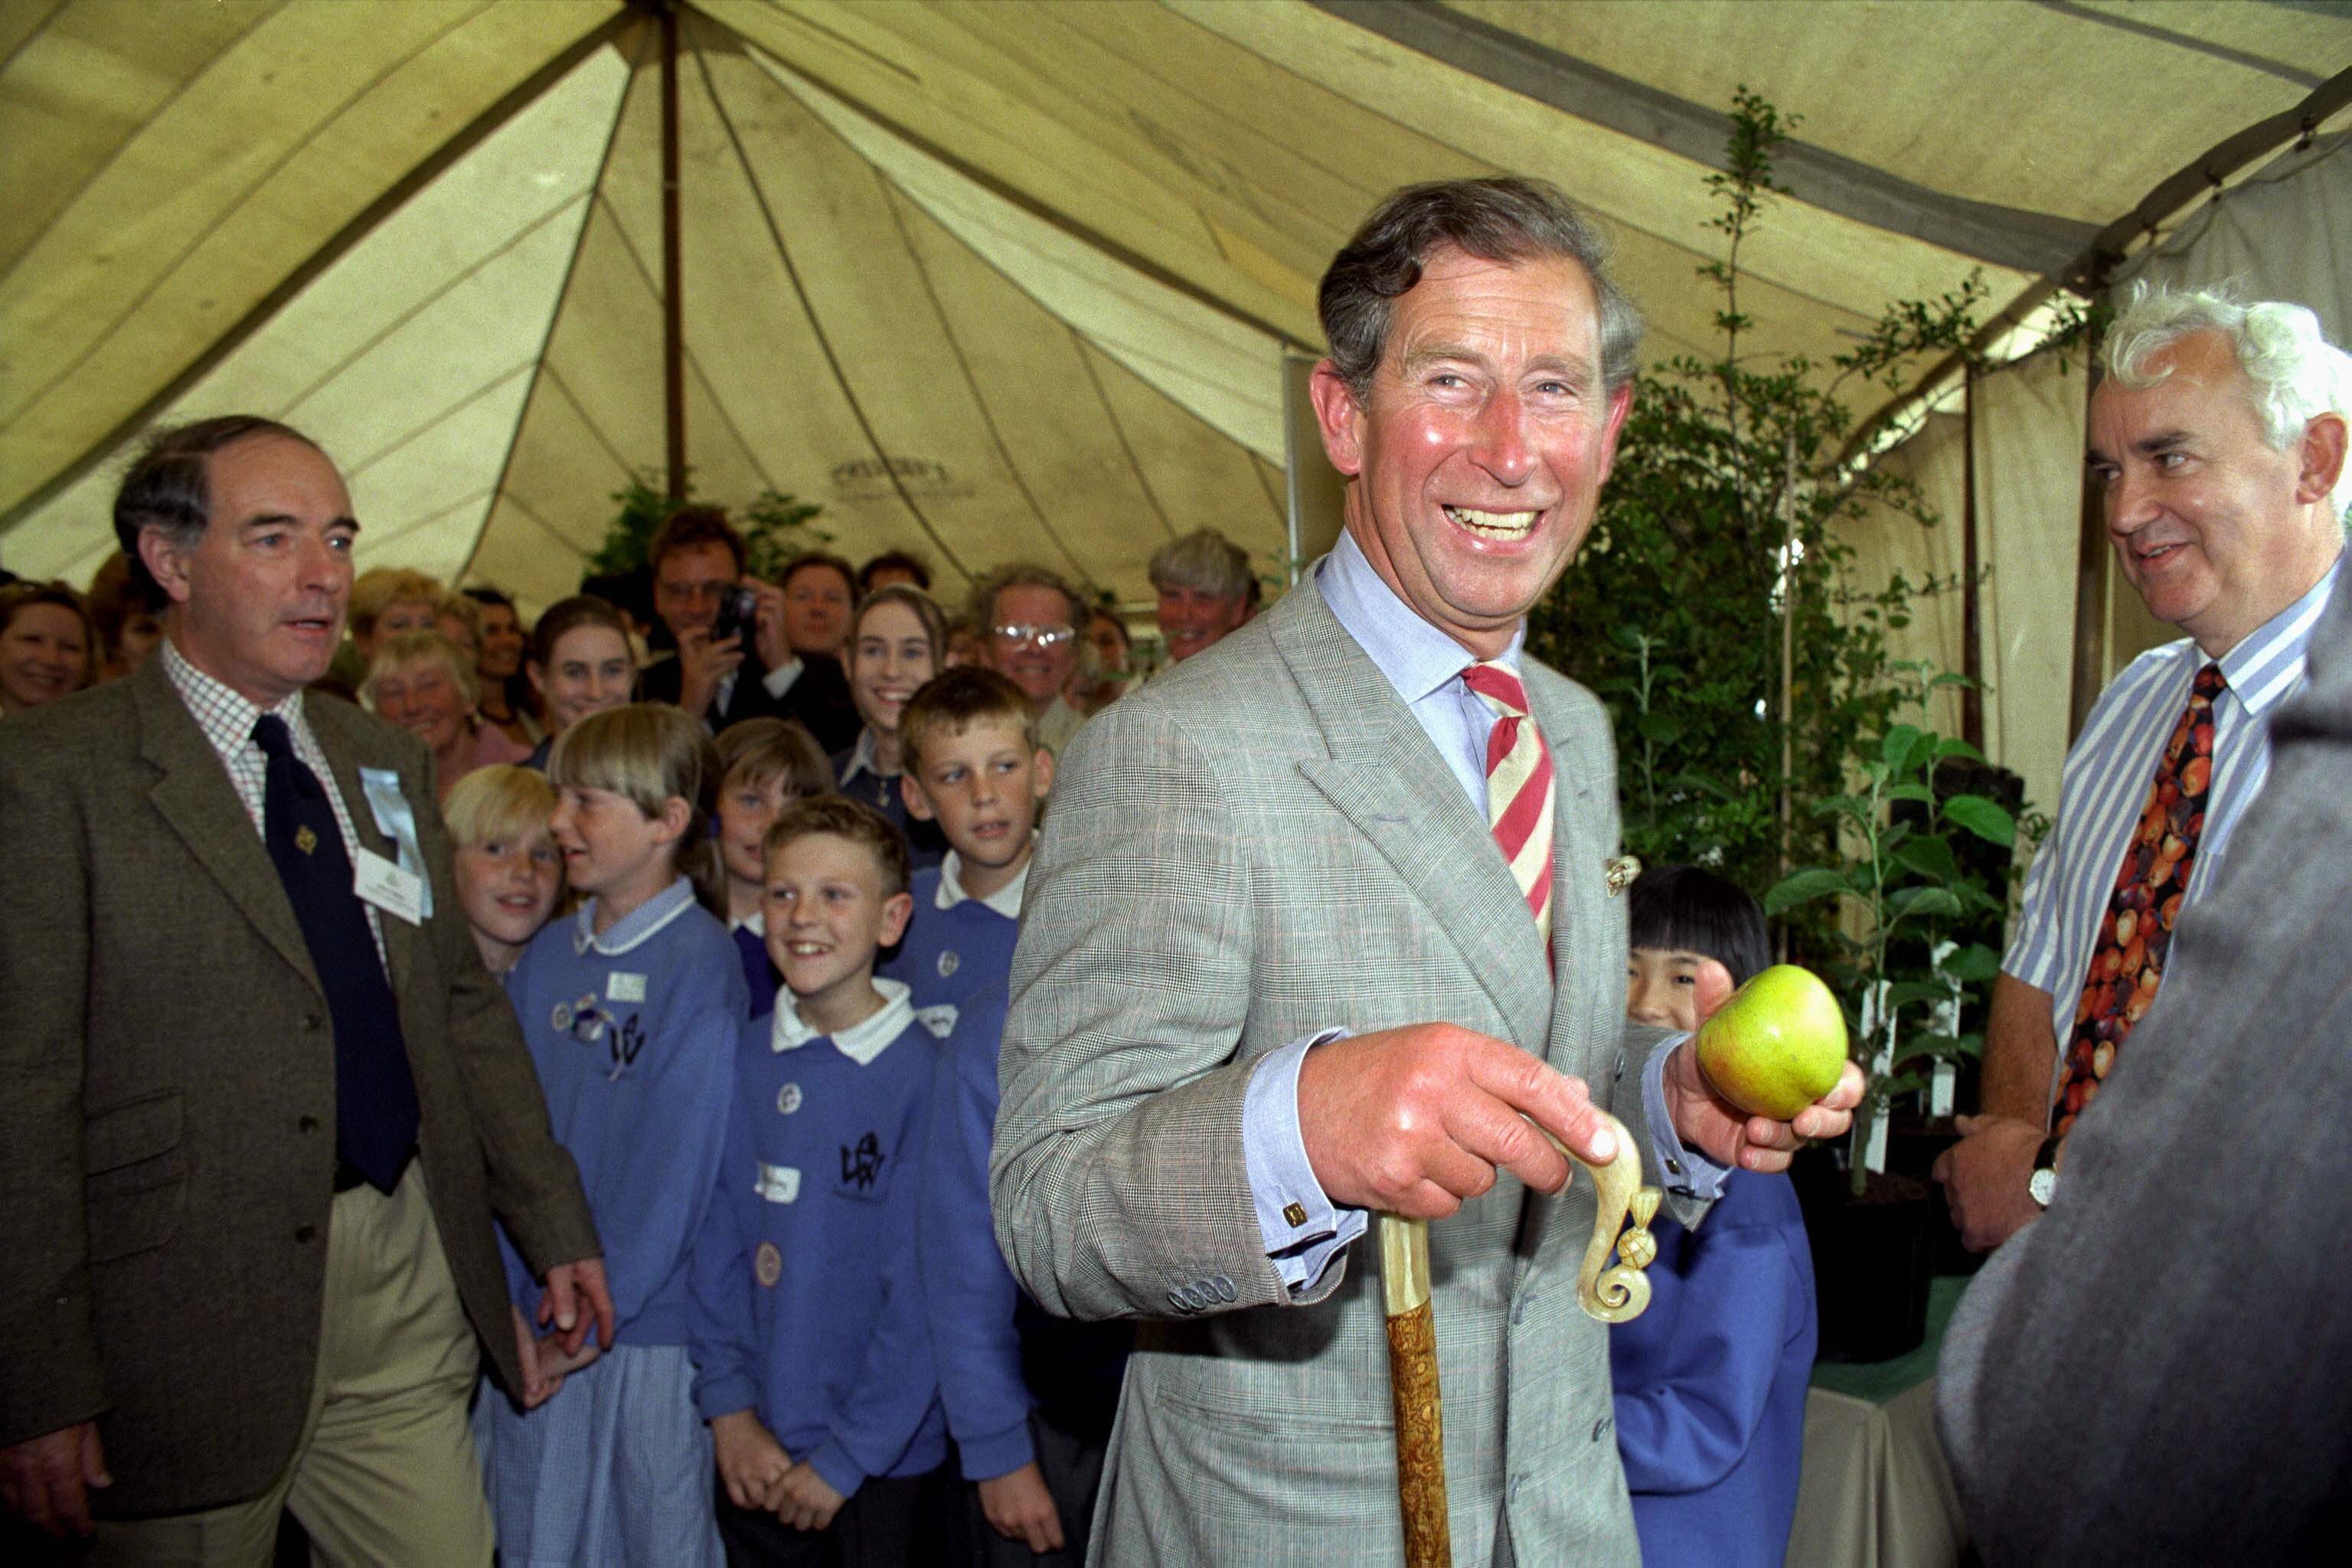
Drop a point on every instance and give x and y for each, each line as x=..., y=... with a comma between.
x=988, y=280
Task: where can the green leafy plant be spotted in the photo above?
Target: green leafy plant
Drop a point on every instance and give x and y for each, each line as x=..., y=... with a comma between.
x=1713, y=608
x=776, y=527
x=1902, y=897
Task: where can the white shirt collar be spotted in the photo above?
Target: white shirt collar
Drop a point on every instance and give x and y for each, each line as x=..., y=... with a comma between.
x=756, y=922
x=861, y=1043
x=635, y=927
x=1005, y=900
x=861, y=758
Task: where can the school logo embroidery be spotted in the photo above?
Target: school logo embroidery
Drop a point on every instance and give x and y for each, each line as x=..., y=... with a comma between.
x=788, y=1099
x=768, y=1265
x=948, y=963
x=627, y=1041
x=863, y=1164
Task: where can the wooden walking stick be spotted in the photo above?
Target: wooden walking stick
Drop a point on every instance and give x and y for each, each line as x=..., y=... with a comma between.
x=1612, y=1295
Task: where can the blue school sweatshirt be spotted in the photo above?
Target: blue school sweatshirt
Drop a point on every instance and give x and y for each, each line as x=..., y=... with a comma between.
x=855, y=776
x=806, y=1302
x=760, y=977
x=633, y=1034
x=1711, y=1381
x=998, y=1354
x=957, y=945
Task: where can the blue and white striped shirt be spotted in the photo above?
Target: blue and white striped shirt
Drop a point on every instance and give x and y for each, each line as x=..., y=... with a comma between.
x=2106, y=788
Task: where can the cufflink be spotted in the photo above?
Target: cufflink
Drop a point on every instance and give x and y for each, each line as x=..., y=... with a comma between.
x=1294, y=1214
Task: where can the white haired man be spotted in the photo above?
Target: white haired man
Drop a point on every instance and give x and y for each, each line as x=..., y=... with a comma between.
x=2219, y=431
x=1203, y=581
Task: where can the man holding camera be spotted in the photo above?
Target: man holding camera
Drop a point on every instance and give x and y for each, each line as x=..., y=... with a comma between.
x=734, y=660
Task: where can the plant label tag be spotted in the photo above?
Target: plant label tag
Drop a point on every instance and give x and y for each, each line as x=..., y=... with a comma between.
x=1873, y=1158
x=1939, y=1089
x=387, y=887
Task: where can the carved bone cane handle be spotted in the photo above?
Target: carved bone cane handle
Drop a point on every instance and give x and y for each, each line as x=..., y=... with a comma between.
x=1613, y=1295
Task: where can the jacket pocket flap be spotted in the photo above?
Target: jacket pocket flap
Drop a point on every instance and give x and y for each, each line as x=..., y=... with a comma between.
x=126, y=1135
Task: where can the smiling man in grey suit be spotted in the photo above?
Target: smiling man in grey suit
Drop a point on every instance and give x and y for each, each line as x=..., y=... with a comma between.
x=263, y=1099
x=1303, y=942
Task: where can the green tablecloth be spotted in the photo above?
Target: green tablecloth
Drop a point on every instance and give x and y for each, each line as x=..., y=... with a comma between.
x=1880, y=1381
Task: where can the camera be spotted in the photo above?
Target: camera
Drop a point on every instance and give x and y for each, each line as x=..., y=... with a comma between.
x=738, y=608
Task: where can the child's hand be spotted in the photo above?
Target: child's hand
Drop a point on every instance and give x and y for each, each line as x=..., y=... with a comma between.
x=749, y=1459
x=806, y=1500
x=1018, y=1508
x=555, y=1361
x=535, y=1390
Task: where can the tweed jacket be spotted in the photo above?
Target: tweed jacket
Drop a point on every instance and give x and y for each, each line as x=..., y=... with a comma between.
x=1258, y=846
x=167, y=1143
x=2159, y=1368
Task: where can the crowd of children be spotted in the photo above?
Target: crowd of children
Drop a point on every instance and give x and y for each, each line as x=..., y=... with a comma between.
x=770, y=1043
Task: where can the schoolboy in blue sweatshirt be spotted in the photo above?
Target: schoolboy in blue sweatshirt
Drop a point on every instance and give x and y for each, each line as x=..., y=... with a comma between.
x=813, y=1357
x=1710, y=1381
x=1029, y=1398
x=972, y=765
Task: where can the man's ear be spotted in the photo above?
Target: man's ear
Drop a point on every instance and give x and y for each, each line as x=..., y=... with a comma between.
x=897, y=910
x=166, y=562
x=1340, y=417
x=918, y=805
x=1620, y=403
x=1041, y=767
x=2322, y=455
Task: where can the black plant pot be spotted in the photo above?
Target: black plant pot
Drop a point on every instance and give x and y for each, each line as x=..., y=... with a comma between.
x=1873, y=1255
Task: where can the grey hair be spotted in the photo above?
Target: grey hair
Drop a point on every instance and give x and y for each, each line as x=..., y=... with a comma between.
x=1023, y=575
x=168, y=486
x=1508, y=219
x=2292, y=372
x=1203, y=561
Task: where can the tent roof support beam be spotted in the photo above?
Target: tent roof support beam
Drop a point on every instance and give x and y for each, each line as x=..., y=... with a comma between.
x=2005, y=236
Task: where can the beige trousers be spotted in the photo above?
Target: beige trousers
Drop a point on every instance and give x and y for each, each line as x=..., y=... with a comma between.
x=385, y=1472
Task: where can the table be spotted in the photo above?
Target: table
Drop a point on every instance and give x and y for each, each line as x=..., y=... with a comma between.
x=1876, y=1491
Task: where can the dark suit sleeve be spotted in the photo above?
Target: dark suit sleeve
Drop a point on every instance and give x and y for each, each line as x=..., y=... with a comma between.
x=2155, y=1370
x=534, y=1188
x=49, y=1372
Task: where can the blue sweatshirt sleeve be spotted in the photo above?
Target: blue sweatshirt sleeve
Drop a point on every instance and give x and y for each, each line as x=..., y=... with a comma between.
x=722, y=1338
x=1689, y=1400
x=899, y=1379
x=969, y=1294
x=655, y=1178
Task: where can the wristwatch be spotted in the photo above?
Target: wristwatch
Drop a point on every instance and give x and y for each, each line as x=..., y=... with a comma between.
x=2044, y=1183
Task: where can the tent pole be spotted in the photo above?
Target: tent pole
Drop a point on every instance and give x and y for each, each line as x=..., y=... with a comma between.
x=673, y=303
x=1971, y=654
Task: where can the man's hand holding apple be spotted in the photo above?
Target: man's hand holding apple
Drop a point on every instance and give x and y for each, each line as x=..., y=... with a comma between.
x=1707, y=1121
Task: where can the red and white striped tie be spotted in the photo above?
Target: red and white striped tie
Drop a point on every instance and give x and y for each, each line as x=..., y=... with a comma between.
x=1519, y=787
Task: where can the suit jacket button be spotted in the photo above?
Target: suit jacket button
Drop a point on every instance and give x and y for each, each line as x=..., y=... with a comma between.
x=1601, y=1429
x=1177, y=1302
x=1224, y=1287
x=305, y=1233
x=308, y=1124
x=311, y=1022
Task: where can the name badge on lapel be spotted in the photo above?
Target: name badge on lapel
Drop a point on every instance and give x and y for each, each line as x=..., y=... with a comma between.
x=387, y=887
x=396, y=820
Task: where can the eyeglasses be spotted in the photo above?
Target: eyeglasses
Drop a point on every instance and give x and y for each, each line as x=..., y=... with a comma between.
x=1047, y=637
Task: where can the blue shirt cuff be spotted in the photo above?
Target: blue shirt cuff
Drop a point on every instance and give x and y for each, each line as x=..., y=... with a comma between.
x=833, y=1466
x=1303, y=1229
x=1685, y=1173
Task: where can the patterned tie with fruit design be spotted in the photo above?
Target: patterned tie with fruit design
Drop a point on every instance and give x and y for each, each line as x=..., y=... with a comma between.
x=2137, y=933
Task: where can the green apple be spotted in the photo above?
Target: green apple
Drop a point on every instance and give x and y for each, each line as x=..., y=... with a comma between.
x=1776, y=1045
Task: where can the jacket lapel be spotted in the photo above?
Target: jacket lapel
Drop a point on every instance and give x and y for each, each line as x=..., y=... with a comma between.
x=1384, y=775
x=1584, y=764
x=192, y=792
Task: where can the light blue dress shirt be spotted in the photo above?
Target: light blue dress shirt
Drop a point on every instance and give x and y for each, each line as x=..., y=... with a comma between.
x=1425, y=666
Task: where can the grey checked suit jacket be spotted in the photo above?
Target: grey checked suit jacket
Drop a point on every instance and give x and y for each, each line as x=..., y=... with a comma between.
x=2159, y=1369
x=1261, y=846
x=167, y=1139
